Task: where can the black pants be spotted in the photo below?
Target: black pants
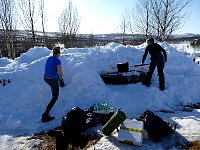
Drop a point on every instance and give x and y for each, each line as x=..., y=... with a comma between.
x=159, y=63
x=53, y=83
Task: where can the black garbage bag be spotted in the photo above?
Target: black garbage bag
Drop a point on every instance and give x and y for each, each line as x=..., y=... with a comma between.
x=77, y=120
x=156, y=126
x=74, y=123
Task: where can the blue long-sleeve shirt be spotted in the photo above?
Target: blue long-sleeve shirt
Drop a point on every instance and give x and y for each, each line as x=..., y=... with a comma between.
x=51, y=71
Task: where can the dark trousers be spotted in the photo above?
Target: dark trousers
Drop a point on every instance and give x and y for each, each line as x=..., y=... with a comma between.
x=53, y=83
x=160, y=66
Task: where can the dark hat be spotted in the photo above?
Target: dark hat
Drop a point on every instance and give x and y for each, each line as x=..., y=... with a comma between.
x=56, y=50
x=150, y=40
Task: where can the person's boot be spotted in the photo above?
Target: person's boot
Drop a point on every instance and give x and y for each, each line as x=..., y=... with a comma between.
x=162, y=88
x=46, y=117
x=162, y=85
x=146, y=83
x=147, y=80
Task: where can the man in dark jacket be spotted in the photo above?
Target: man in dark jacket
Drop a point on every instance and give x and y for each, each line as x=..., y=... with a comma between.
x=158, y=59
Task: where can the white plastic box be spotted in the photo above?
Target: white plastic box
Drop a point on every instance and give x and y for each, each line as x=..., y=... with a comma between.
x=131, y=132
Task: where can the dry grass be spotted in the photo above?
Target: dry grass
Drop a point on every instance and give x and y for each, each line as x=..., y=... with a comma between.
x=48, y=141
x=194, y=145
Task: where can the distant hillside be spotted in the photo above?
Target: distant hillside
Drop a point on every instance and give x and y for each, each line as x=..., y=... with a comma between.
x=186, y=35
x=118, y=36
x=22, y=40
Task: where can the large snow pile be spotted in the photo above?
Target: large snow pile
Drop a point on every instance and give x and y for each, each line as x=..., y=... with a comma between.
x=24, y=99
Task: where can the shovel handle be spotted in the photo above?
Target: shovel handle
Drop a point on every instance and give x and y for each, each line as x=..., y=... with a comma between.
x=140, y=65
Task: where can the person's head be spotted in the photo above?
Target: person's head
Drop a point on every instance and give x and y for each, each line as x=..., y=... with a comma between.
x=56, y=51
x=150, y=41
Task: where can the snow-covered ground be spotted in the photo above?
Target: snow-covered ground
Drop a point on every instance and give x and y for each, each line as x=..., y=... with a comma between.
x=24, y=99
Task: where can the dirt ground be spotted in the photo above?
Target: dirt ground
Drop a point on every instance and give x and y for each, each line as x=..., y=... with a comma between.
x=48, y=142
x=53, y=140
x=195, y=145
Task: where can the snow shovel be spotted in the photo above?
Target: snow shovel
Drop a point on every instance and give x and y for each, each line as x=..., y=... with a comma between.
x=140, y=65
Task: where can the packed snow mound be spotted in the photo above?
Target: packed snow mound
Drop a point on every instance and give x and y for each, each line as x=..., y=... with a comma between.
x=4, y=61
x=25, y=98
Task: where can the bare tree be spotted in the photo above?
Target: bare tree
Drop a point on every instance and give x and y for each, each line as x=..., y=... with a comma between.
x=28, y=16
x=161, y=18
x=69, y=22
x=43, y=18
x=143, y=20
x=7, y=23
x=128, y=25
x=124, y=26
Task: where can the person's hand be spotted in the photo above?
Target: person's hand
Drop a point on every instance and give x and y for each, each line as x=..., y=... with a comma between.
x=61, y=82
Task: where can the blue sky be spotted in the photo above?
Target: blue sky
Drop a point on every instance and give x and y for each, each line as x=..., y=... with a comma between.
x=103, y=16
x=192, y=24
